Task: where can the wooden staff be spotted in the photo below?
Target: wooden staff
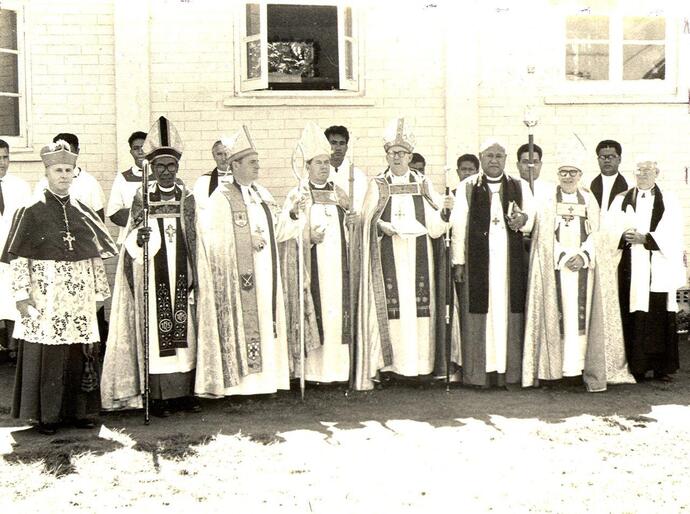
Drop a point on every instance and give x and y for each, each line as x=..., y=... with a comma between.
x=145, y=198
x=299, y=174
x=448, y=275
x=351, y=228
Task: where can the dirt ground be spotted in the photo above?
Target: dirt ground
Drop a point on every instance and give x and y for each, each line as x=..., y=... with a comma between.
x=242, y=434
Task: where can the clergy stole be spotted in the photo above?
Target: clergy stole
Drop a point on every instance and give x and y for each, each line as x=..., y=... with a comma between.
x=244, y=259
x=625, y=278
x=423, y=294
x=569, y=212
x=213, y=182
x=478, y=225
x=597, y=188
x=327, y=196
x=172, y=317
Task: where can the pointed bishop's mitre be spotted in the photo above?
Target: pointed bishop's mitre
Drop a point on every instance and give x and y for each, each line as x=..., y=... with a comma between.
x=58, y=153
x=571, y=152
x=314, y=142
x=239, y=144
x=163, y=140
x=398, y=134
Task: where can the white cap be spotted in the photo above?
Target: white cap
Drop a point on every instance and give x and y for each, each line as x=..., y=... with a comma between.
x=239, y=144
x=314, y=142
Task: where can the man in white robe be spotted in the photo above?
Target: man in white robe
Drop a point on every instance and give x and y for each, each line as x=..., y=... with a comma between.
x=492, y=212
x=327, y=267
x=241, y=228
x=339, y=138
x=125, y=186
x=397, y=311
x=14, y=193
x=650, y=272
x=207, y=183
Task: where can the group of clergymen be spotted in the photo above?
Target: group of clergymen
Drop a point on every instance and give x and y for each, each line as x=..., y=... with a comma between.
x=551, y=281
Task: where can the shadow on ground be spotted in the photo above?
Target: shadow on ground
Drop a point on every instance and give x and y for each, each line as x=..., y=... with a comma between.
x=262, y=419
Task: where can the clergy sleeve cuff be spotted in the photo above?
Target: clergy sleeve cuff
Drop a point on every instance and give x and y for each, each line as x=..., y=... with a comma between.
x=586, y=258
x=650, y=243
x=622, y=242
x=561, y=259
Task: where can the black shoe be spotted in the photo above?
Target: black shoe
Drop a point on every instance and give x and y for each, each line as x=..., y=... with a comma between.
x=161, y=409
x=662, y=377
x=85, y=423
x=190, y=404
x=47, y=428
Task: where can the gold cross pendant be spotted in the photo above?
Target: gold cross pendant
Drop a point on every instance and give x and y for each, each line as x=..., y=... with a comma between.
x=68, y=238
x=170, y=231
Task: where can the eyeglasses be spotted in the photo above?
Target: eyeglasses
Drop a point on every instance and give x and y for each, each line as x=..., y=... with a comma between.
x=160, y=168
x=492, y=156
x=397, y=153
x=611, y=157
x=572, y=172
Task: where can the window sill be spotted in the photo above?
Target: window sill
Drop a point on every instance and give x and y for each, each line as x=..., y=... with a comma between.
x=289, y=99
x=610, y=99
x=18, y=154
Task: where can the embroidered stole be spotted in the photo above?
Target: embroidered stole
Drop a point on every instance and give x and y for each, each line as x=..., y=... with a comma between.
x=581, y=214
x=422, y=286
x=327, y=196
x=477, y=246
x=172, y=317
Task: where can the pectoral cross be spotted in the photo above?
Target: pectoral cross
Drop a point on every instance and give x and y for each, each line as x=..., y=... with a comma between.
x=68, y=238
x=170, y=231
x=570, y=218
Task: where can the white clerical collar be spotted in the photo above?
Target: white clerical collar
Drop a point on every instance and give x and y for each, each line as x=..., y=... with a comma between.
x=405, y=177
x=645, y=193
x=319, y=186
x=166, y=189
x=137, y=170
x=609, y=178
x=223, y=173
x=493, y=180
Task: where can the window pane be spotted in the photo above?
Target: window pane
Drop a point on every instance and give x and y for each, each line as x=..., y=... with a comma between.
x=642, y=28
x=348, y=60
x=253, y=17
x=302, y=47
x=8, y=73
x=348, y=21
x=644, y=62
x=587, y=27
x=254, y=59
x=9, y=116
x=8, y=29
x=587, y=62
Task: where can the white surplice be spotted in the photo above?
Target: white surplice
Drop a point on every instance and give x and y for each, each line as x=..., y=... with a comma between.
x=569, y=244
x=341, y=178
x=331, y=361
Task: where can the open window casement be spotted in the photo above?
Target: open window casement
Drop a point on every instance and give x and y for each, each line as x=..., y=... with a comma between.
x=348, y=54
x=254, y=47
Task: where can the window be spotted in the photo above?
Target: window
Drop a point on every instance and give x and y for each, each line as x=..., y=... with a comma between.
x=297, y=47
x=620, y=48
x=9, y=74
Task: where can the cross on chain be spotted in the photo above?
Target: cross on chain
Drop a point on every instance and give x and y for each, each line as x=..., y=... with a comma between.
x=570, y=218
x=170, y=231
x=68, y=238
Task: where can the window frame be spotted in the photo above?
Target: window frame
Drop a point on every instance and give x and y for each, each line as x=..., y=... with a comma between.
x=615, y=89
x=243, y=88
x=22, y=141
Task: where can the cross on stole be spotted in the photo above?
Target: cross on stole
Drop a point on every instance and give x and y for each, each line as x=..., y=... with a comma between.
x=170, y=231
x=68, y=238
x=495, y=221
x=570, y=218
